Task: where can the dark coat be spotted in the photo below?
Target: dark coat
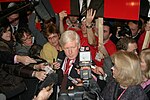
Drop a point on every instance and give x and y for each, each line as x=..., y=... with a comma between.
x=132, y=93
x=11, y=83
x=73, y=72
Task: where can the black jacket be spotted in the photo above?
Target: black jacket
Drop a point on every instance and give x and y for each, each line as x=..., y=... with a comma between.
x=132, y=93
x=11, y=83
x=73, y=72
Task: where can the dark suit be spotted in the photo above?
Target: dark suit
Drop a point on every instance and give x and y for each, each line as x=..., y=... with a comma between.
x=73, y=72
x=97, y=5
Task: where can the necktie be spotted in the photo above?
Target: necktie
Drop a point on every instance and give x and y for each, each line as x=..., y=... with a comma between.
x=15, y=29
x=65, y=78
x=84, y=7
x=67, y=66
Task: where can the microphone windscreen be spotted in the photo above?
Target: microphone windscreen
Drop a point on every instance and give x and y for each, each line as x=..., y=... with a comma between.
x=50, y=79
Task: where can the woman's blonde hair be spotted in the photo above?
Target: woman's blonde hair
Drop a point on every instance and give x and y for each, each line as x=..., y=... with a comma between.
x=128, y=72
x=145, y=54
x=69, y=36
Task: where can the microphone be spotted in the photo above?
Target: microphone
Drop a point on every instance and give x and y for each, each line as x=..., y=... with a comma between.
x=50, y=80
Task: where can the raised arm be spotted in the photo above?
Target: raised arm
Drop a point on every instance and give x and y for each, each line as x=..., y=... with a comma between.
x=62, y=15
x=89, y=18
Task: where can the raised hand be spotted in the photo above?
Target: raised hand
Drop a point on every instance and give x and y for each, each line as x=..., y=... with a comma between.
x=62, y=15
x=90, y=16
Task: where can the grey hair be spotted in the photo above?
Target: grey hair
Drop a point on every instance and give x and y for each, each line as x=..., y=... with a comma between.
x=69, y=36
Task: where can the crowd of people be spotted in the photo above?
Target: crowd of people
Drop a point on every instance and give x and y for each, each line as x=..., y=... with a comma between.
x=26, y=51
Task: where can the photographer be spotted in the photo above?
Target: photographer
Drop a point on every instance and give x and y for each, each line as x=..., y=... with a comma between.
x=69, y=58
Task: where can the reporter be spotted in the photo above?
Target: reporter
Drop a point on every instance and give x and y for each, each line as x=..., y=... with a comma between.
x=12, y=66
x=7, y=51
x=127, y=77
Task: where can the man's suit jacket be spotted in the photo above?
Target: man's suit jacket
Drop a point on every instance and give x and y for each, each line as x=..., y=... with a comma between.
x=97, y=5
x=73, y=72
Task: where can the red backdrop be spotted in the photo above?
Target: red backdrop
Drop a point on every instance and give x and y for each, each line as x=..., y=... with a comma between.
x=119, y=9
x=59, y=5
x=122, y=9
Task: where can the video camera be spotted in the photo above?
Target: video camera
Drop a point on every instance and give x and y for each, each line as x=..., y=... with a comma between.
x=90, y=89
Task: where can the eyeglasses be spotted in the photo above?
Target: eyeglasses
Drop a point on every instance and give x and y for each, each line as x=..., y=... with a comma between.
x=28, y=38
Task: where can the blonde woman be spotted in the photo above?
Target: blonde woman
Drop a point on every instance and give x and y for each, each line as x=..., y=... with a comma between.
x=145, y=67
x=127, y=78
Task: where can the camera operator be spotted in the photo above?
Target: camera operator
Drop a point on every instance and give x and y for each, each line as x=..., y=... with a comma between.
x=69, y=58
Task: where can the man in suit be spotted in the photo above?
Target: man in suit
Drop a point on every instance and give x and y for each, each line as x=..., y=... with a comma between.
x=70, y=43
x=16, y=19
x=76, y=7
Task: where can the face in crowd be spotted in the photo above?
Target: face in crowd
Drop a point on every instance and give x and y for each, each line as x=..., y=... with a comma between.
x=53, y=39
x=134, y=28
x=106, y=34
x=6, y=33
x=27, y=39
x=73, y=19
x=13, y=19
x=71, y=49
x=70, y=43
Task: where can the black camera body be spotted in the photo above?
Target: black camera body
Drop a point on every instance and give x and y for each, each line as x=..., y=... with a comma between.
x=90, y=89
x=92, y=92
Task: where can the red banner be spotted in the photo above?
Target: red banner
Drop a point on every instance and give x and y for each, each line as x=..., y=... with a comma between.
x=118, y=9
x=60, y=5
x=122, y=9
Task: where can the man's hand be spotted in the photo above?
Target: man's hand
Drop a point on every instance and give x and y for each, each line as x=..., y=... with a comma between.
x=41, y=75
x=62, y=15
x=44, y=94
x=90, y=16
x=41, y=66
x=56, y=65
x=98, y=70
x=24, y=59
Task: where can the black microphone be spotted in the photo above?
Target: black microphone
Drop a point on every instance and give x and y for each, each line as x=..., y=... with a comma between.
x=51, y=79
